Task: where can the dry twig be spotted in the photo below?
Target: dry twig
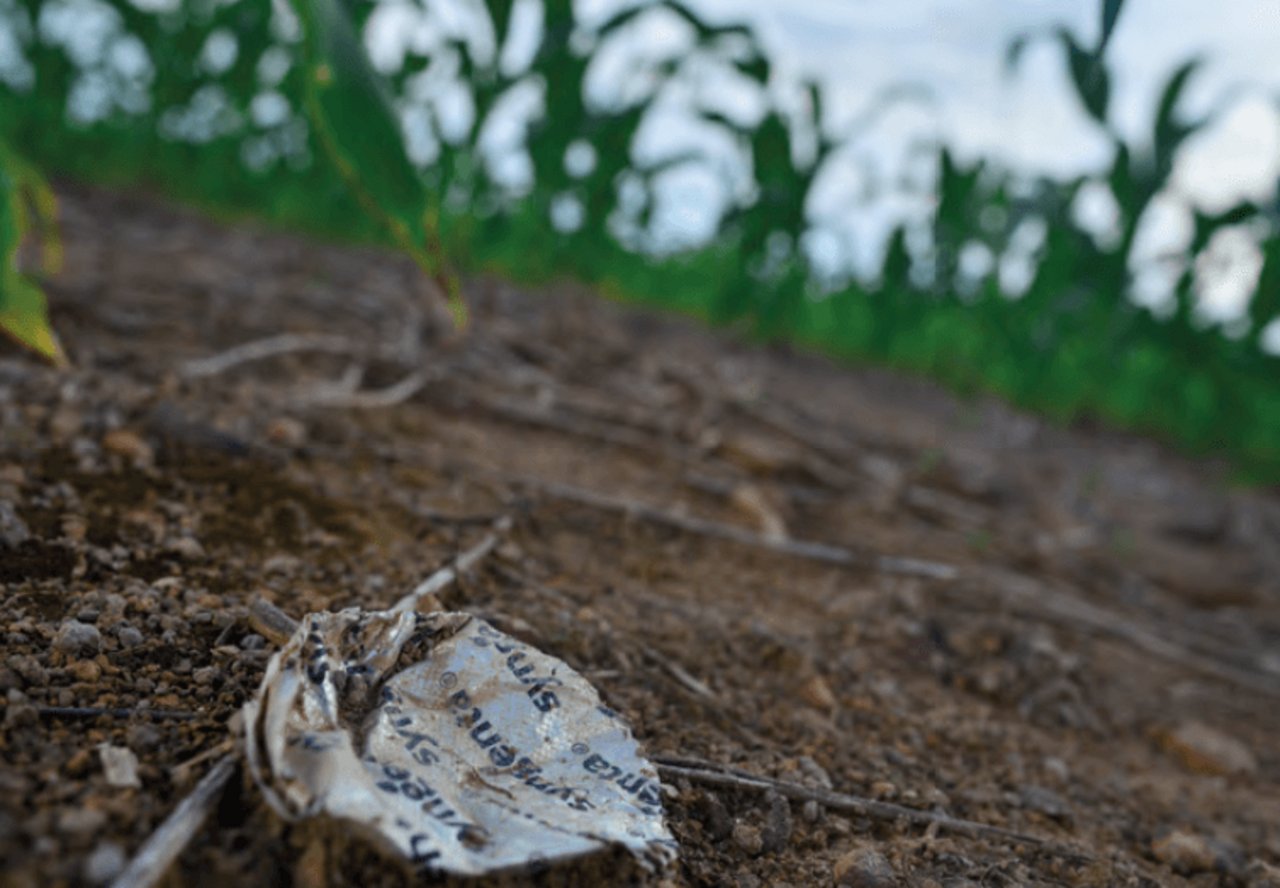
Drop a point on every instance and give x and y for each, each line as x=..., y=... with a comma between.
x=821, y=552
x=277, y=626
x=159, y=851
x=345, y=396
x=447, y=575
x=1022, y=594
x=98, y=711
x=275, y=346
x=270, y=622
x=711, y=774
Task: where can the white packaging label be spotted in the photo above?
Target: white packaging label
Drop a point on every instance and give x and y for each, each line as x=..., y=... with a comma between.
x=449, y=743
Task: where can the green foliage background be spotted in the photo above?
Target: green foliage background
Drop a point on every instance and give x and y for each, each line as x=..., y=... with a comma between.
x=1071, y=344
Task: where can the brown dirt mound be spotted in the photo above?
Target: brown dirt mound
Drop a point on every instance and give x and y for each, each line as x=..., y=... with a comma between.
x=843, y=580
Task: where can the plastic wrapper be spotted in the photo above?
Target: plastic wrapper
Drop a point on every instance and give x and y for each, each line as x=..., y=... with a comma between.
x=450, y=744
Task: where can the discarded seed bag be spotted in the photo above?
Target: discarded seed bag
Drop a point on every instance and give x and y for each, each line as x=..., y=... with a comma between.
x=449, y=743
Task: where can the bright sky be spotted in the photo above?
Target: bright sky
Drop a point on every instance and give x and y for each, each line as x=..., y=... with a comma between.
x=956, y=48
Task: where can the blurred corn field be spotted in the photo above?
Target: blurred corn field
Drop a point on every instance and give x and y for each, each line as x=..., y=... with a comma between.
x=474, y=131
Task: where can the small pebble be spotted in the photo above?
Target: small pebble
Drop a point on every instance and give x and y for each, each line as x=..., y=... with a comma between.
x=120, y=766
x=864, y=869
x=105, y=863
x=748, y=839
x=1046, y=802
x=186, y=547
x=85, y=670
x=714, y=816
x=75, y=637
x=205, y=675
x=129, y=445
x=1057, y=769
x=883, y=789
x=28, y=668
x=1188, y=853
x=81, y=821
x=13, y=530
x=129, y=636
x=817, y=693
x=811, y=811
x=143, y=736
x=1261, y=874
x=1205, y=750
x=778, y=825
x=287, y=432
x=253, y=642
x=815, y=774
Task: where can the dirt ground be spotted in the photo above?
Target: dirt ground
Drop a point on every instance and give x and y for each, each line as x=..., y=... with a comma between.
x=1070, y=634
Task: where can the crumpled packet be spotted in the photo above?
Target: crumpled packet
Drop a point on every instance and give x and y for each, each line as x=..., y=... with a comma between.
x=450, y=744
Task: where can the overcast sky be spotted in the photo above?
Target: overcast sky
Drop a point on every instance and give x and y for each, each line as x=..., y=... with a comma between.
x=956, y=48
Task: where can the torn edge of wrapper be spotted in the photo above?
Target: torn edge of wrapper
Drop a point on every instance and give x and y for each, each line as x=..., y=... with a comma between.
x=450, y=744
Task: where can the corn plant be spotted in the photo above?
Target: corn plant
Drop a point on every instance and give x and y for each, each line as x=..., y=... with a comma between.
x=28, y=212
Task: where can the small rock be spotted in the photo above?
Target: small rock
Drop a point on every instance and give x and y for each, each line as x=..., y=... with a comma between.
x=811, y=811
x=85, y=670
x=253, y=642
x=814, y=773
x=129, y=636
x=1261, y=874
x=1057, y=769
x=777, y=826
x=187, y=548
x=884, y=790
x=205, y=675
x=714, y=816
x=120, y=766
x=75, y=637
x=19, y=712
x=864, y=868
x=1189, y=853
x=1046, y=802
x=282, y=564
x=13, y=530
x=287, y=432
x=143, y=736
x=748, y=839
x=28, y=668
x=817, y=693
x=81, y=821
x=1205, y=750
x=104, y=863
x=129, y=445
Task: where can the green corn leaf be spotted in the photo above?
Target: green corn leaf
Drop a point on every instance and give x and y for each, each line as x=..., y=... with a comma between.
x=500, y=14
x=28, y=208
x=1110, y=14
x=1089, y=76
x=350, y=108
x=1169, y=131
x=1013, y=53
x=1264, y=307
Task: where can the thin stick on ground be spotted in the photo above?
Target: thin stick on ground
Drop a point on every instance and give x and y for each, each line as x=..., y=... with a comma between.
x=1041, y=601
x=449, y=574
x=275, y=346
x=278, y=627
x=341, y=397
x=100, y=711
x=270, y=622
x=159, y=851
x=820, y=552
x=711, y=774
